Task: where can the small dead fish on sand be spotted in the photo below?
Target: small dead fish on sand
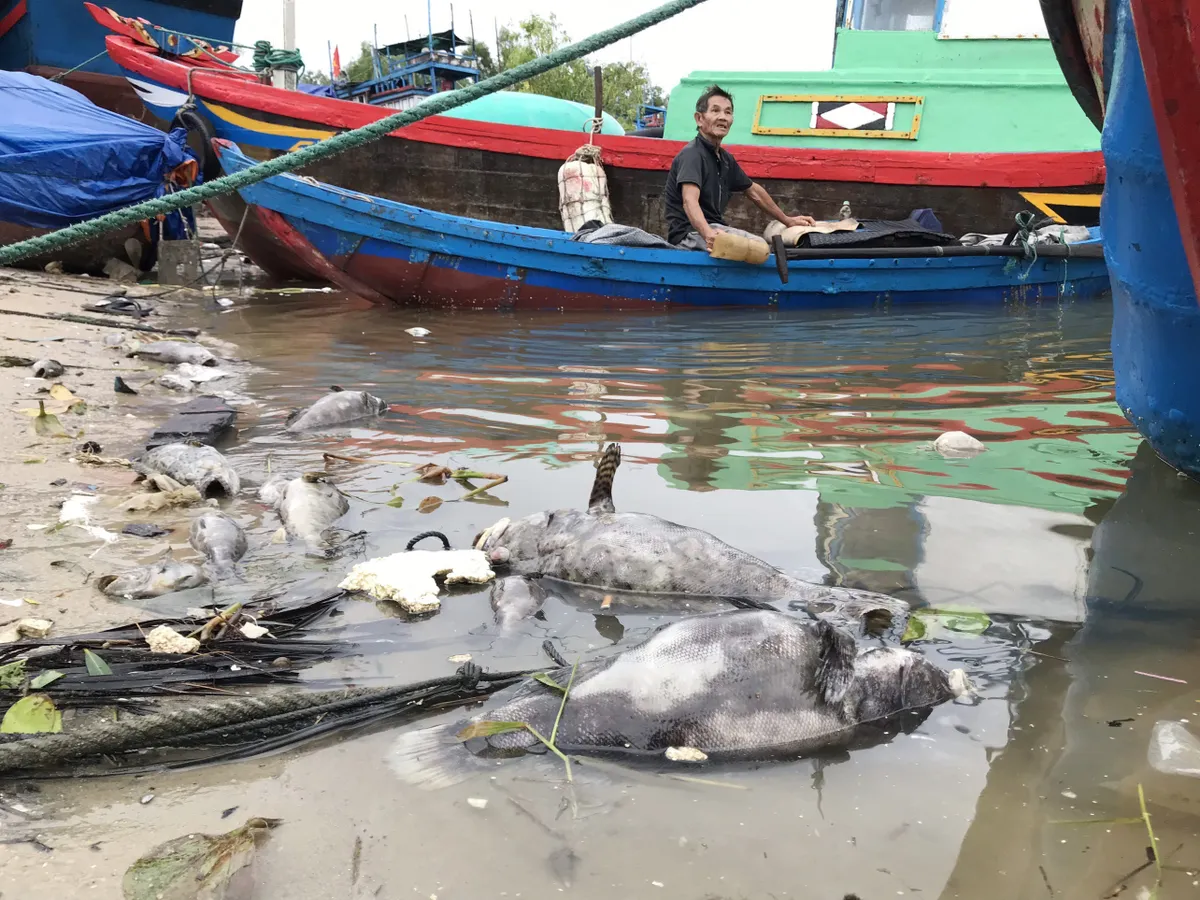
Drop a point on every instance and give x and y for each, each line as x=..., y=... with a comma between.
x=338, y=407
x=309, y=506
x=747, y=684
x=219, y=538
x=152, y=581
x=176, y=352
x=196, y=464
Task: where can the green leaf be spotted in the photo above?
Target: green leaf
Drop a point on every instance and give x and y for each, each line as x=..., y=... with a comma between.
x=47, y=425
x=12, y=675
x=195, y=866
x=95, y=665
x=931, y=622
x=44, y=678
x=487, y=729
x=913, y=631
x=545, y=679
x=396, y=502
x=35, y=714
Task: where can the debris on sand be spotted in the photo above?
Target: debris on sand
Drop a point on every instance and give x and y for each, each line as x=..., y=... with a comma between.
x=958, y=443
x=25, y=628
x=47, y=368
x=408, y=577
x=686, y=754
x=196, y=866
x=165, y=639
x=1174, y=750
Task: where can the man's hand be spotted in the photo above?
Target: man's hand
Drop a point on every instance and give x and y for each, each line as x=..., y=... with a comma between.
x=801, y=220
x=709, y=236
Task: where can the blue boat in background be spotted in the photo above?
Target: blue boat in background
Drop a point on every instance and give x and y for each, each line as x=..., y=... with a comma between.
x=64, y=160
x=382, y=249
x=1133, y=68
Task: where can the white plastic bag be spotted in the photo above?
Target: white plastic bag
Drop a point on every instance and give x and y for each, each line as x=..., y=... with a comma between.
x=1174, y=750
x=583, y=190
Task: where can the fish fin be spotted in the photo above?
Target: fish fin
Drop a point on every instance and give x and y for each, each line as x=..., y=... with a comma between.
x=835, y=662
x=601, y=500
x=433, y=758
x=336, y=388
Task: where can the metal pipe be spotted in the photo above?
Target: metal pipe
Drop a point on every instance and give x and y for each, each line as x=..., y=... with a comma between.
x=598, y=81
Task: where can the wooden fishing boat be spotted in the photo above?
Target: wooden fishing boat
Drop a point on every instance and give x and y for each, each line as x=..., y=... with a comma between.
x=1134, y=65
x=383, y=249
x=933, y=146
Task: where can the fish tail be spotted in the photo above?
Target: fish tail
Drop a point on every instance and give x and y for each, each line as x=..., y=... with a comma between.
x=606, y=469
x=835, y=661
x=432, y=758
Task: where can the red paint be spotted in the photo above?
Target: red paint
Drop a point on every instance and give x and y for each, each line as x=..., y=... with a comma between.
x=1004, y=170
x=129, y=28
x=12, y=17
x=1168, y=33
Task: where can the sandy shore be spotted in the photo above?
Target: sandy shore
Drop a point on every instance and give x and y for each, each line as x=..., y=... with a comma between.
x=53, y=570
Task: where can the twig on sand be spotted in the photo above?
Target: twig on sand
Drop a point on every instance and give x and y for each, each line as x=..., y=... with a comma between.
x=104, y=323
x=1160, y=677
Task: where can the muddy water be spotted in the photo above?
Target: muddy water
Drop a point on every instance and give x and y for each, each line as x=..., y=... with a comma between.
x=804, y=439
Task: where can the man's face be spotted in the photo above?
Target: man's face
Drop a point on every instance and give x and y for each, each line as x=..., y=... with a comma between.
x=716, y=120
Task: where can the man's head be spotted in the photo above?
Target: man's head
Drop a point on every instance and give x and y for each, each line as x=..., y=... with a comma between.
x=714, y=114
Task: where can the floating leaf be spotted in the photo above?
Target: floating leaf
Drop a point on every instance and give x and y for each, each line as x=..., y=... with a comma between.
x=12, y=675
x=61, y=393
x=429, y=504
x=47, y=425
x=44, y=678
x=432, y=473
x=396, y=502
x=196, y=866
x=95, y=665
x=543, y=678
x=930, y=622
x=35, y=714
x=487, y=729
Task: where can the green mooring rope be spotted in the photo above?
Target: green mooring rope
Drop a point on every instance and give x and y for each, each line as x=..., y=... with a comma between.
x=435, y=105
x=267, y=58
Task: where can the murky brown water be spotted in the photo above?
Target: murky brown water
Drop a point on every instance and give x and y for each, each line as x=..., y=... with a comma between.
x=802, y=439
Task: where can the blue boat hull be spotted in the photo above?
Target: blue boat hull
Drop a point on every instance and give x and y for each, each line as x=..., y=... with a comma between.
x=1156, y=319
x=410, y=254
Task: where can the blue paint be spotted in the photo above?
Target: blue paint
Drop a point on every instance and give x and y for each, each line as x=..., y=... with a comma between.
x=938, y=13
x=549, y=261
x=1156, y=320
x=61, y=33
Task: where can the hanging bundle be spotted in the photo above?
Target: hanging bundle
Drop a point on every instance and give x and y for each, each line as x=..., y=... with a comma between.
x=583, y=190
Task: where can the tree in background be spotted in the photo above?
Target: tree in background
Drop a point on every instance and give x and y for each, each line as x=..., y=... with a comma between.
x=363, y=68
x=487, y=66
x=626, y=85
x=314, y=76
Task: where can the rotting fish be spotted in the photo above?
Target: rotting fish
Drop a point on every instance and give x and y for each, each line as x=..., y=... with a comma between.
x=309, y=505
x=271, y=491
x=195, y=464
x=642, y=552
x=175, y=353
x=746, y=684
x=219, y=538
x=152, y=581
x=339, y=407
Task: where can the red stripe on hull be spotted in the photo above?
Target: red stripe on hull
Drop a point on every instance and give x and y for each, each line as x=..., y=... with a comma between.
x=12, y=17
x=986, y=170
x=1168, y=33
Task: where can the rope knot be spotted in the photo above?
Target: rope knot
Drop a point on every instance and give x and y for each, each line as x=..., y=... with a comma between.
x=470, y=673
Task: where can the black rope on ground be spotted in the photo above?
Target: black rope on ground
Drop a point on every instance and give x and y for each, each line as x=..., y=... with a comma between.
x=551, y=651
x=425, y=534
x=749, y=603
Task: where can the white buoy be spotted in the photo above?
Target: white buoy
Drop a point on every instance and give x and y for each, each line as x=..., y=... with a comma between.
x=958, y=443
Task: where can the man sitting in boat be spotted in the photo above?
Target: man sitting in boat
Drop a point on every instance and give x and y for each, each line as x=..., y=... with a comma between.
x=704, y=176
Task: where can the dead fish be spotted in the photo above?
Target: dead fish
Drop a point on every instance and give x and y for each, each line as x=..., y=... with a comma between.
x=747, y=684
x=338, y=407
x=176, y=352
x=219, y=538
x=516, y=598
x=270, y=491
x=152, y=581
x=644, y=553
x=47, y=368
x=195, y=464
x=309, y=506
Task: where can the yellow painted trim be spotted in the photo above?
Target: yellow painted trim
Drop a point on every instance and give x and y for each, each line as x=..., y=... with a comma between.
x=249, y=124
x=918, y=103
x=1047, y=202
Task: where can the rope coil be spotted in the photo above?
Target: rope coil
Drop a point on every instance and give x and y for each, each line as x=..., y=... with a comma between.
x=435, y=105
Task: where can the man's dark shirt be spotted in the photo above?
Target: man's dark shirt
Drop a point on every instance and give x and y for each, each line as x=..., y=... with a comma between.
x=711, y=169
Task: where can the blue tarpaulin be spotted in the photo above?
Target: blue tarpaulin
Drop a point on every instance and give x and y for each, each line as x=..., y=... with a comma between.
x=317, y=90
x=63, y=159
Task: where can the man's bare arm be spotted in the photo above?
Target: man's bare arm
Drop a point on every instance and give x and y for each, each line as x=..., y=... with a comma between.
x=691, y=206
x=759, y=197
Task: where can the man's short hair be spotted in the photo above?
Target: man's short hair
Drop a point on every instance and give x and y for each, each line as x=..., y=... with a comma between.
x=714, y=90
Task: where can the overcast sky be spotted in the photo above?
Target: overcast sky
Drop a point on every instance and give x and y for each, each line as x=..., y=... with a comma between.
x=779, y=35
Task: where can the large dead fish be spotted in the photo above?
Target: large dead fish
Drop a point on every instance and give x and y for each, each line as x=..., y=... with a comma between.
x=152, y=581
x=219, y=538
x=308, y=506
x=176, y=353
x=747, y=684
x=195, y=464
x=641, y=552
x=337, y=408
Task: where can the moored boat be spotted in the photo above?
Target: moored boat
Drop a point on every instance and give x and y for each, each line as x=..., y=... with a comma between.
x=918, y=156
x=380, y=249
x=1133, y=66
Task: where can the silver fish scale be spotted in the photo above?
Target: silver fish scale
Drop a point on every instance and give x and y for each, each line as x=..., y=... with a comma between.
x=743, y=683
